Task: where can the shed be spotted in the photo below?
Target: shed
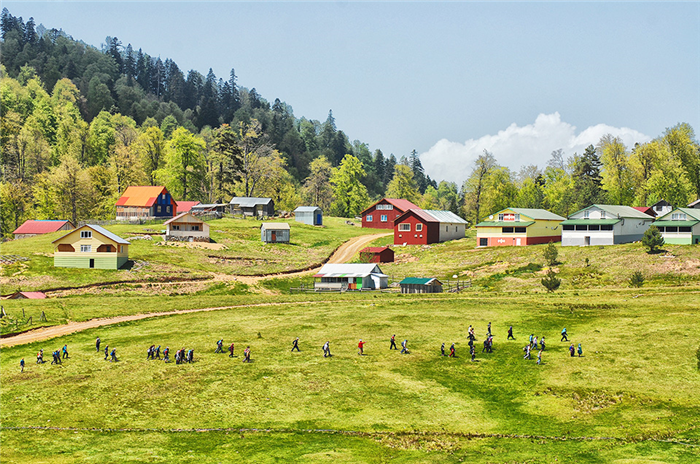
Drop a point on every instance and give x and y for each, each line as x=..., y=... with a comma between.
x=90, y=246
x=27, y=296
x=185, y=227
x=31, y=228
x=342, y=277
x=252, y=206
x=420, y=285
x=377, y=255
x=274, y=232
x=311, y=215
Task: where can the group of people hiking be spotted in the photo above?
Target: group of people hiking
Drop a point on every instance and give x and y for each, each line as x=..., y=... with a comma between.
x=246, y=352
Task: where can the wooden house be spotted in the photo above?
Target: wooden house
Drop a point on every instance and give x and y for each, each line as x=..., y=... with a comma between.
x=146, y=202
x=186, y=228
x=382, y=214
x=274, y=232
x=90, y=246
x=420, y=285
x=342, y=277
x=422, y=227
x=604, y=225
x=252, y=206
x=31, y=228
x=311, y=215
x=680, y=227
x=519, y=227
x=377, y=255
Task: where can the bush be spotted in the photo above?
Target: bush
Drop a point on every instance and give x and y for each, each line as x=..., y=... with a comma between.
x=697, y=353
x=550, y=281
x=652, y=239
x=550, y=254
x=637, y=279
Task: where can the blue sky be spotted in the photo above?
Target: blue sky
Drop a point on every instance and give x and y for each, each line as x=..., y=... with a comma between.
x=447, y=79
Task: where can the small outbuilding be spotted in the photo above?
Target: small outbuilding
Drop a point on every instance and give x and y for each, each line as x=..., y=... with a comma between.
x=274, y=232
x=90, y=246
x=420, y=285
x=342, y=277
x=186, y=228
x=252, y=206
x=311, y=215
x=377, y=255
x=27, y=296
x=31, y=228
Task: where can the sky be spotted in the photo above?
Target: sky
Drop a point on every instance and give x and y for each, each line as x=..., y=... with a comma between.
x=448, y=80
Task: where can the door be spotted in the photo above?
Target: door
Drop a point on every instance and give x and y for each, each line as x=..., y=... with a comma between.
x=92, y=263
x=319, y=219
x=587, y=241
x=517, y=241
x=274, y=236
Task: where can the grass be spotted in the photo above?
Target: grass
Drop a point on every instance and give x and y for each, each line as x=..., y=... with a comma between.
x=637, y=384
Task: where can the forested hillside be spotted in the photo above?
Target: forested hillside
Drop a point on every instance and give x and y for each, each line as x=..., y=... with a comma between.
x=80, y=124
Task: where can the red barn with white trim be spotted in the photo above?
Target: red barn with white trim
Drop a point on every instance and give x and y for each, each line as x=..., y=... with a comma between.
x=422, y=227
x=382, y=214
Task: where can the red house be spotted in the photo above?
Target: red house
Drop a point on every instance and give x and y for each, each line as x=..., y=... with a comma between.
x=377, y=255
x=422, y=227
x=382, y=214
x=31, y=228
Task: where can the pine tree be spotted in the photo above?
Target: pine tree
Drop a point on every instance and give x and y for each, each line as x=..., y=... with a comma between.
x=551, y=254
x=652, y=239
x=550, y=281
x=636, y=279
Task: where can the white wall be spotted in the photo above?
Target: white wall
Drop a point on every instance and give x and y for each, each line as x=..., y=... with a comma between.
x=454, y=231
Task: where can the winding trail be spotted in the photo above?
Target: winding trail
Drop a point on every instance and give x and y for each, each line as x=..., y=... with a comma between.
x=344, y=253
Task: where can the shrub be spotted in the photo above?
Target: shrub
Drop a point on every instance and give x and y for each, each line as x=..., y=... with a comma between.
x=697, y=353
x=652, y=239
x=637, y=279
x=551, y=254
x=550, y=281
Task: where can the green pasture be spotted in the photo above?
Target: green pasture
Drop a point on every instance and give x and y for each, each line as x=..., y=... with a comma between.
x=631, y=398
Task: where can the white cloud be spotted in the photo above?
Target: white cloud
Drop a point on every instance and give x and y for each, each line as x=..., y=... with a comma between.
x=518, y=146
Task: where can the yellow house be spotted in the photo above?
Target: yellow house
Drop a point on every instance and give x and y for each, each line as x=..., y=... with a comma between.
x=519, y=226
x=91, y=247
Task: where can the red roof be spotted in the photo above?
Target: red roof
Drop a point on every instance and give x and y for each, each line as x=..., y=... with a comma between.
x=401, y=204
x=422, y=215
x=29, y=295
x=143, y=196
x=646, y=210
x=373, y=249
x=41, y=226
x=185, y=206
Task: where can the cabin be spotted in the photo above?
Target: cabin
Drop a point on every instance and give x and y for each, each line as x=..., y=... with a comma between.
x=145, y=202
x=186, y=228
x=423, y=227
x=90, y=247
x=343, y=277
x=252, y=206
x=32, y=228
x=311, y=215
x=274, y=232
x=604, y=225
x=420, y=285
x=382, y=214
x=519, y=227
x=377, y=255
x=680, y=227
x=661, y=208
x=185, y=206
x=27, y=296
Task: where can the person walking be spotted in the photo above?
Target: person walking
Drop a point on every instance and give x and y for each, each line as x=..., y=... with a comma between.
x=488, y=330
x=527, y=352
x=404, y=347
x=486, y=345
x=65, y=352
x=114, y=355
x=219, y=346
x=246, y=355
x=327, y=349
x=21, y=365
x=510, y=333
x=442, y=349
x=542, y=343
x=473, y=353
x=571, y=350
x=393, y=343
x=539, y=357
x=97, y=344
x=230, y=351
x=157, y=354
x=580, y=350
x=564, y=335
x=190, y=356
x=106, y=352
x=40, y=357
x=295, y=344
x=149, y=352
x=361, y=348
x=166, y=354
x=453, y=353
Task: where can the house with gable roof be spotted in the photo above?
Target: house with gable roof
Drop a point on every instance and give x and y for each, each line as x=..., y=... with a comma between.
x=604, y=225
x=90, y=247
x=423, y=227
x=382, y=214
x=519, y=227
x=31, y=227
x=680, y=226
x=145, y=202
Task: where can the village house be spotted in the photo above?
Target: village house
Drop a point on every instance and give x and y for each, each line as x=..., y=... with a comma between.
x=275, y=232
x=695, y=204
x=26, y=296
x=186, y=228
x=145, y=202
x=420, y=285
x=382, y=214
x=311, y=215
x=423, y=227
x=342, y=277
x=92, y=247
x=377, y=255
x=252, y=206
x=661, y=208
x=31, y=228
x=646, y=210
x=680, y=226
x=519, y=227
x=210, y=209
x=185, y=206
x=604, y=225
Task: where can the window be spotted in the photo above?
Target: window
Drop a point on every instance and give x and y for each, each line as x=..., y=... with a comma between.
x=419, y=227
x=586, y=214
x=671, y=229
x=121, y=248
x=661, y=229
x=483, y=242
x=520, y=230
x=500, y=217
x=85, y=234
x=167, y=209
x=404, y=227
x=163, y=197
x=517, y=218
x=602, y=214
x=369, y=218
x=383, y=218
x=568, y=227
x=684, y=229
x=195, y=228
x=594, y=227
x=176, y=227
x=159, y=208
x=86, y=248
x=385, y=207
x=447, y=228
x=582, y=227
x=507, y=230
x=679, y=217
x=606, y=227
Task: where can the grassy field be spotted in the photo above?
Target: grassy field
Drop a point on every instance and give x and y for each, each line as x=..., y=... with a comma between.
x=633, y=396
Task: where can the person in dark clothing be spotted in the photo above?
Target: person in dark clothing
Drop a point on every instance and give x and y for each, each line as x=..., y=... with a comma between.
x=442, y=350
x=21, y=365
x=114, y=355
x=470, y=343
x=488, y=330
x=295, y=344
x=473, y=353
x=571, y=350
x=166, y=354
x=327, y=349
x=542, y=343
x=580, y=350
x=65, y=352
x=453, y=353
x=486, y=346
x=219, y=346
x=404, y=347
x=97, y=344
x=40, y=357
x=393, y=343
x=564, y=336
x=157, y=353
x=246, y=355
x=510, y=333
x=149, y=352
x=230, y=351
x=190, y=356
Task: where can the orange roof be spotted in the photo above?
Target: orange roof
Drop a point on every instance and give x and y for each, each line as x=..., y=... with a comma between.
x=144, y=196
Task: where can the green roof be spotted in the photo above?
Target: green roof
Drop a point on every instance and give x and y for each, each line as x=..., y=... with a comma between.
x=417, y=280
x=599, y=222
x=504, y=224
x=538, y=214
x=675, y=223
x=619, y=211
x=693, y=213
